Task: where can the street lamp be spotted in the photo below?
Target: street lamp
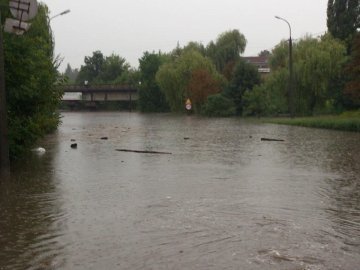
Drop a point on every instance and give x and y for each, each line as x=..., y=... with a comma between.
x=290, y=90
x=60, y=14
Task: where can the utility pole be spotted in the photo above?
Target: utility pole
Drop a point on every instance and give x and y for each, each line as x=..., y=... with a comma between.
x=290, y=86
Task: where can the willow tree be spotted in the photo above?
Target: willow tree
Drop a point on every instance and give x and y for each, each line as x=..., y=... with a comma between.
x=32, y=82
x=226, y=50
x=177, y=79
x=317, y=63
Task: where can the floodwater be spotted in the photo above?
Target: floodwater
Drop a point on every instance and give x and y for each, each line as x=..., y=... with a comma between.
x=223, y=199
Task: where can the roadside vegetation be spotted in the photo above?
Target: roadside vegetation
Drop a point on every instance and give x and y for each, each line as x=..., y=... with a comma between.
x=348, y=121
x=219, y=82
x=32, y=84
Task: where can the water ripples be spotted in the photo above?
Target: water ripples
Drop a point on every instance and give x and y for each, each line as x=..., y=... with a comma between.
x=222, y=200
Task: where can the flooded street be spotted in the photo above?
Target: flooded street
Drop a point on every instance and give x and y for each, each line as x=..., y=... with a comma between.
x=223, y=199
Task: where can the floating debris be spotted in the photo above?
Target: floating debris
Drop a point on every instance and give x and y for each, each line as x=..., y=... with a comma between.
x=73, y=145
x=143, y=152
x=272, y=140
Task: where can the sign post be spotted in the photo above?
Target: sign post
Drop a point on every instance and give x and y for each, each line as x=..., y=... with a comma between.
x=188, y=105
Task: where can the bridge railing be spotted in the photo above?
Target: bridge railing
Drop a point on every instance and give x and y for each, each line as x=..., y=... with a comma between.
x=99, y=88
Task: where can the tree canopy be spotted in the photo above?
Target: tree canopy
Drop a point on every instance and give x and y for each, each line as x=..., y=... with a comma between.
x=151, y=98
x=226, y=50
x=178, y=77
x=98, y=69
x=32, y=82
x=343, y=19
x=245, y=76
x=317, y=63
x=352, y=88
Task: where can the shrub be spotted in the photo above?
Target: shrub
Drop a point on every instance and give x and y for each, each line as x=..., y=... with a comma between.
x=218, y=106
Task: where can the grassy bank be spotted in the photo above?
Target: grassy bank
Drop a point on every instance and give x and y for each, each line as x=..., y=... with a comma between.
x=348, y=121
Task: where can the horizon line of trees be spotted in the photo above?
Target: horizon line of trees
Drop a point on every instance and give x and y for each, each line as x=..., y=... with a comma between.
x=326, y=73
x=214, y=76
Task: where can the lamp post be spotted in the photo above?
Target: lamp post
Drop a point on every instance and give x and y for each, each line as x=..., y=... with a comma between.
x=291, y=89
x=60, y=14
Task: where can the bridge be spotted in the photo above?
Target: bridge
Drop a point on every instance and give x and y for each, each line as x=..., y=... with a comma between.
x=92, y=96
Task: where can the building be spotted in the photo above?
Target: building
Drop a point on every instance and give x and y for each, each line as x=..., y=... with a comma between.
x=261, y=63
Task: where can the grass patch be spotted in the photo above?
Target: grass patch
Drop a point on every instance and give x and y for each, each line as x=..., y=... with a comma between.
x=348, y=121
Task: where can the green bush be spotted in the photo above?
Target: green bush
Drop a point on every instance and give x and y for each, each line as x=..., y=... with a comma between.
x=32, y=81
x=218, y=106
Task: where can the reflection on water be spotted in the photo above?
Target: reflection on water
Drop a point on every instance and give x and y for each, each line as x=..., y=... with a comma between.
x=222, y=200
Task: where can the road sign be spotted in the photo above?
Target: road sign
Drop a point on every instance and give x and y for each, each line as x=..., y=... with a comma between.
x=23, y=10
x=188, y=104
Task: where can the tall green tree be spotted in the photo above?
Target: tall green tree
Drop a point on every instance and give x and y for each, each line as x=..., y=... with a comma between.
x=98, y=69
x=151, y=98
x=317, y=64
x=352, y=88
x=343, y=19
x=71, y=74
x=226, y=50
x=245, y=76
x=33, y=93
x=113, y=67
x=174, y=77
x=92, y=68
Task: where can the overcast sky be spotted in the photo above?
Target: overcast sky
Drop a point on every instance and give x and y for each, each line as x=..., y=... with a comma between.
x=131, y=27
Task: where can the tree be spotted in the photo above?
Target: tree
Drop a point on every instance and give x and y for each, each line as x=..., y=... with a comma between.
x=92, y=68
x=174, y=77
x=244, y=78
x=269, y=98
x=317, y=64
x=226, y=50
x=151, y=99
x=103, y=70
x=71, y=74
x=195, y=46
x=265, y=53
x=343, y=19
x=201, y=85
x=33, y=95
x=352, y=88
x=218, y=106
x=112, y=68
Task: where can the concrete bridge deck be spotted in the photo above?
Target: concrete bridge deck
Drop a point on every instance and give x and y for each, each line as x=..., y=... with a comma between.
x=100, y=93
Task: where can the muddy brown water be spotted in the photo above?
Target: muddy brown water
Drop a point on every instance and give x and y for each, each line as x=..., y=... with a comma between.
x=223, y=199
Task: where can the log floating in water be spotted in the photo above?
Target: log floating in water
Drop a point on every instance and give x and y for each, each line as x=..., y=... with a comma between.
x=272, y=140
x=143, y=152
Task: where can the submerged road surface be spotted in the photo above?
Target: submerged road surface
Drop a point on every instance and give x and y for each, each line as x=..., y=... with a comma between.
x=222, y=198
